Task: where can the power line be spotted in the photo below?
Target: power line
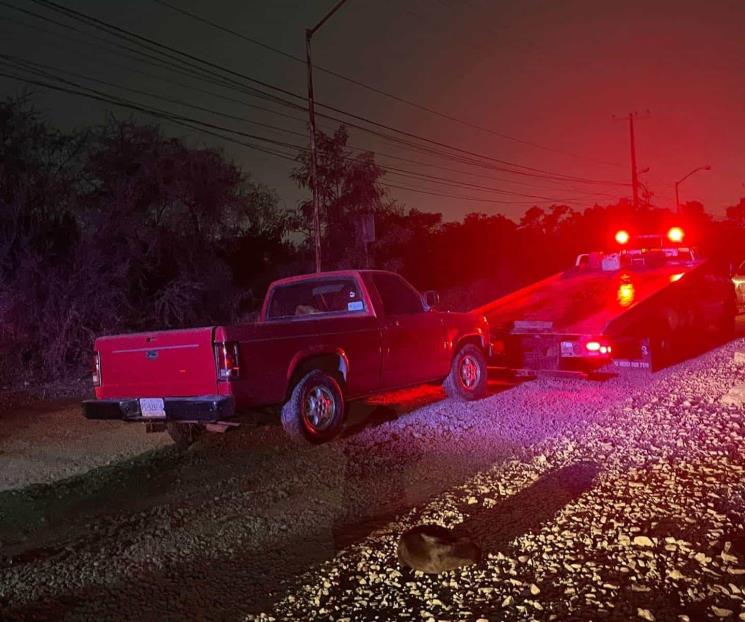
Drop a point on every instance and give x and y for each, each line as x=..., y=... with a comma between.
x=117, y=50
x=140, y=107
x=213, y=130
x=191, y=70
x=150, y=42
x=374, y=89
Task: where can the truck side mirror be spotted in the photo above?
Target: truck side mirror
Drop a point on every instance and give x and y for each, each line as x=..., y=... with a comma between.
x=431, y=298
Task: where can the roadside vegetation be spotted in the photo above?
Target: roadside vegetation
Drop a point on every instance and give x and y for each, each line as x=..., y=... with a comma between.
x=120, y=227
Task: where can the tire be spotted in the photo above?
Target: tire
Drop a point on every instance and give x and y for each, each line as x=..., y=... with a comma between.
x=728, y=326
x=661, y=346
x=184, y=435
x=315, y=411
x=467, y=379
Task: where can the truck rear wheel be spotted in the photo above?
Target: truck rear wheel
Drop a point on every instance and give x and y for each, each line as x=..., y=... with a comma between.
x=468, y=374
x=315, y=411
x=184, y=434
x=661, y=346
x=728, y=324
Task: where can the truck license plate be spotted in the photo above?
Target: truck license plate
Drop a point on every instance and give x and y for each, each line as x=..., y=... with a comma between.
x=152, y=407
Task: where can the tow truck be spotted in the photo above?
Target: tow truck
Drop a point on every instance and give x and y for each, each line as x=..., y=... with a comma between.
x=638, y=306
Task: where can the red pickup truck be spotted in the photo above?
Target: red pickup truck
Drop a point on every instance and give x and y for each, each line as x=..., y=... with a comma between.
x=321, y=340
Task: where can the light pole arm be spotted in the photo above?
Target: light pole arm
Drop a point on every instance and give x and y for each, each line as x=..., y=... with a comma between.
x=311, y=31
x=680, y=181
x=695, y=170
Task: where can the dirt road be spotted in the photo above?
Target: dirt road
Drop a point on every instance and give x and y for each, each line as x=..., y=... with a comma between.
x=230, y=527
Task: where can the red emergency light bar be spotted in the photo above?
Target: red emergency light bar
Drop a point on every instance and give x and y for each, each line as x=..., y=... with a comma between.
x=675, y=235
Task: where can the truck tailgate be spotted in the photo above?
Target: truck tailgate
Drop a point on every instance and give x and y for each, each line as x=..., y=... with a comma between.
x=170, y=363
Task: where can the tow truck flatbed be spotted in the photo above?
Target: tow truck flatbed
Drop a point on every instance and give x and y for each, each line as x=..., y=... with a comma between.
x=613, y=311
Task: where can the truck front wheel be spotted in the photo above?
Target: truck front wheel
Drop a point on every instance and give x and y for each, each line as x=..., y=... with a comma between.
x=468, y=374
x=315, y=411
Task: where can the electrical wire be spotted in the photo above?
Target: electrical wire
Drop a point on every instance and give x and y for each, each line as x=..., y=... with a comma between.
x=213, y=129
x=176, y=54
x=376, y=90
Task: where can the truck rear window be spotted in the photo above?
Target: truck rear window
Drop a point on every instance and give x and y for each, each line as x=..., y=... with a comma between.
x=315, y=297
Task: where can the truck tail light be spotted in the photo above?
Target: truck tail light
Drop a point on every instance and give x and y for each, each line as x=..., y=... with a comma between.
x=595, y=348
x=96, y=369
x=227, y=358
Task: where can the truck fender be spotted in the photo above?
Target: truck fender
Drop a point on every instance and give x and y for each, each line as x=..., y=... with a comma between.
x=332, y=360
x=480, y=341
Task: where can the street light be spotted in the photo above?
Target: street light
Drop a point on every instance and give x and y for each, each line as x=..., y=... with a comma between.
x=680, y=181
x=309, y=32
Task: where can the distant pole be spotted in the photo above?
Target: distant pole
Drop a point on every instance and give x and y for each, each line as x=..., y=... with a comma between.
x=634, y=175
x=707, y=167
x=309, y=32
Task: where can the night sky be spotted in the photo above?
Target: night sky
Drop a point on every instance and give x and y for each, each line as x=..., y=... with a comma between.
x=548, y=73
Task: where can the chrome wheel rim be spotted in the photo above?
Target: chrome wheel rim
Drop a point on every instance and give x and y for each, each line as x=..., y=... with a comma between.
x=319, y=408
x=470, y=372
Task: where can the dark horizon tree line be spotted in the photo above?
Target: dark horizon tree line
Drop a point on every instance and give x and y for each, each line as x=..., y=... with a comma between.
x=119, y=228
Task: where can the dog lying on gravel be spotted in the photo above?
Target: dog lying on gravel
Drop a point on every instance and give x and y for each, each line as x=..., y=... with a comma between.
x=434, y=549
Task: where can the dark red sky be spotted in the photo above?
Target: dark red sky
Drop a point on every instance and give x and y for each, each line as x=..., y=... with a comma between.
x=550, y=73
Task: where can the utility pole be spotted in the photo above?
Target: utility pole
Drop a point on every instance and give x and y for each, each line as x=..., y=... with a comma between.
x=634, y=171
x=309, y=32
x=634, y=175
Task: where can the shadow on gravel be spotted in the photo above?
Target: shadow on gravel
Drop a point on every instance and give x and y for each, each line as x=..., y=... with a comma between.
x=494, y=528
x=41, y=513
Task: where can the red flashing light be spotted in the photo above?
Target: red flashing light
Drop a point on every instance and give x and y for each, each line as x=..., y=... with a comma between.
x=593, y=346
x=675, y=235
x=622, y=237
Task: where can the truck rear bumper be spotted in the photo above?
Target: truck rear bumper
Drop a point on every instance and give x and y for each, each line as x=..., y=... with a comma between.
x=205, y=408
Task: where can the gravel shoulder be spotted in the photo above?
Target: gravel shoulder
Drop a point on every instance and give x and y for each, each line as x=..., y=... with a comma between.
x=640, y=515
x=246, y=522
x=46, y=441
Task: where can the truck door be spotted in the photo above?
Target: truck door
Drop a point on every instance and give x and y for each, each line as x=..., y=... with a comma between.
x=413, y=338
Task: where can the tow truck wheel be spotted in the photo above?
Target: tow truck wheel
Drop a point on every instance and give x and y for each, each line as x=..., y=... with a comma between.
x=315, y=411
x=468, y=374
x=184, y=434
x=728, y=326
x=661, y=346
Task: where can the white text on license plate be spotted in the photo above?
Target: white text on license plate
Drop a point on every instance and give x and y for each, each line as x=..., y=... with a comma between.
x=152, y=407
